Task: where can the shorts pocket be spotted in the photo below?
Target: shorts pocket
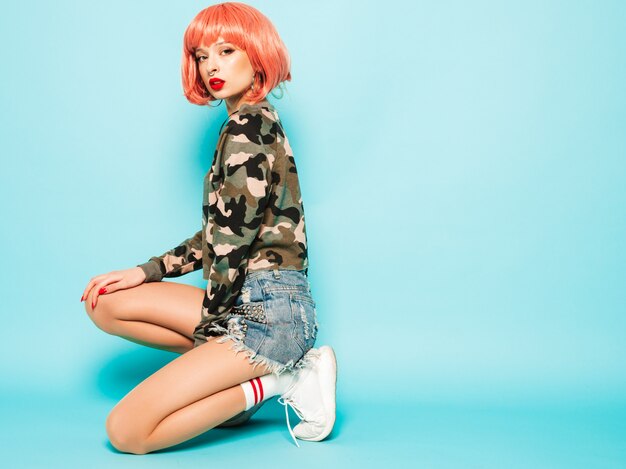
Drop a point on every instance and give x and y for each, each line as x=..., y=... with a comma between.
x=250, y=320
x=304, y=320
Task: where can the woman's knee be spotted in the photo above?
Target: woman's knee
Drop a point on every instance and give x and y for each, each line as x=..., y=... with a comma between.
x=103, y=315
x=121, y=434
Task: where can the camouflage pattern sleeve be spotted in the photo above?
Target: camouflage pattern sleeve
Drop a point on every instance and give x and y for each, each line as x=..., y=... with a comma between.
x=184, y=258
x=236, y=210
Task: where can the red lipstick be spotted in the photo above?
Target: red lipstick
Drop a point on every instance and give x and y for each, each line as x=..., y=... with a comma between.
x=216, y=84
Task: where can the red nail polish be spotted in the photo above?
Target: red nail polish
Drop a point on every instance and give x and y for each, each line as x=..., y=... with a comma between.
x=92, y=306
x=102, y=290
x=81, y=299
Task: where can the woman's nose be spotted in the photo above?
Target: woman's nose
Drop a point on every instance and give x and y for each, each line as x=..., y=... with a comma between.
x=211, y=67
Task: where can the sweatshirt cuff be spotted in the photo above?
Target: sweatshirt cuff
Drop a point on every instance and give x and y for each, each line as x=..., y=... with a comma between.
x=152, y=271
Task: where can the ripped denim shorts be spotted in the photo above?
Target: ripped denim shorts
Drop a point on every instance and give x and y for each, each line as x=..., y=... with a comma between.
x=273, y=320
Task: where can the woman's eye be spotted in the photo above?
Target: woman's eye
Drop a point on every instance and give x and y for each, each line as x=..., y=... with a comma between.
x=202, y=58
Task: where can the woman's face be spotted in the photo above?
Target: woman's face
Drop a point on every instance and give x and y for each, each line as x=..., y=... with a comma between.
x=226, y=71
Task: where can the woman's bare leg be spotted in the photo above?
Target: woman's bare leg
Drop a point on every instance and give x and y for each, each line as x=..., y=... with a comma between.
x=161, y=315
x=190, y=395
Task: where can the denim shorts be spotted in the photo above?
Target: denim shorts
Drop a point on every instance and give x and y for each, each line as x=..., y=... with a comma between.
x=273, y=320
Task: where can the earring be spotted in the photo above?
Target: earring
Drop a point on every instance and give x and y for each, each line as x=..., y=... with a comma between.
x=218, y=104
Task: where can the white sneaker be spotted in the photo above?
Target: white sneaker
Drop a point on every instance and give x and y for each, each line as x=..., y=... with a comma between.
x=318, y=429
x=312, y=396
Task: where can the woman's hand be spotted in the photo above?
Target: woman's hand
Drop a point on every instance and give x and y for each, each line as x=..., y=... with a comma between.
x=113, y=281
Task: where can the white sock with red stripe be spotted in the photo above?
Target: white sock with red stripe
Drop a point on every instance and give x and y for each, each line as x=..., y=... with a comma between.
x=261, y=389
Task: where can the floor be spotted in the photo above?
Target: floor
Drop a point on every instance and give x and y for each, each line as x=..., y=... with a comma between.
x=40, y=430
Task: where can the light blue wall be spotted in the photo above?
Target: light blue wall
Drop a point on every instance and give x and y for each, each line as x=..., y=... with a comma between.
x=463, y=167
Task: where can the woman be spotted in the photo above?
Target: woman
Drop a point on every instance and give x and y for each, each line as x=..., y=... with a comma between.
x=257, y=326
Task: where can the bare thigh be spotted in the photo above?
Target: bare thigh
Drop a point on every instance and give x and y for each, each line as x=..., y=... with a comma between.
x=174, y=404
x=174, y=306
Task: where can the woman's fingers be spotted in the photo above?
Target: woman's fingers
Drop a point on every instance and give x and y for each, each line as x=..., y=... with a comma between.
x=104, y=286
x=101, y=288
x=111, y=282
x=95, y=297
x=89, y=286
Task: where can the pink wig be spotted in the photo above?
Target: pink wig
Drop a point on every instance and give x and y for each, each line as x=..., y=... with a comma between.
x=245, y=27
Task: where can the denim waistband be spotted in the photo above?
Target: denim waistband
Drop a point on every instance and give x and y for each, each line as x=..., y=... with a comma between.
x=276, y=273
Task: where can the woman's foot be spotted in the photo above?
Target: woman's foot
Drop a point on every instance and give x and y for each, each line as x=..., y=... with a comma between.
x=312, y=395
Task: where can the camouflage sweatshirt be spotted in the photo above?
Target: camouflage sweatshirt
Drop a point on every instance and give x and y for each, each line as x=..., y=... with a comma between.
x=252, y=214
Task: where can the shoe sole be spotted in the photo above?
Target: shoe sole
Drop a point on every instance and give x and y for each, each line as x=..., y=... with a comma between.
x=328, y=388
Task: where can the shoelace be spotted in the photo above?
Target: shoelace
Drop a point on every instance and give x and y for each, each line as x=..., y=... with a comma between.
x=285, y=401
x=288, y=401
